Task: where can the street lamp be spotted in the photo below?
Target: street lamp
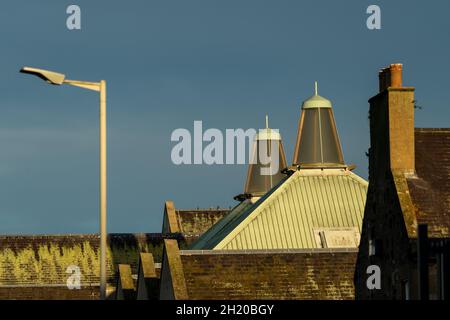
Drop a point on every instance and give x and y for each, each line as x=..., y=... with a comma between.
x=59, y=79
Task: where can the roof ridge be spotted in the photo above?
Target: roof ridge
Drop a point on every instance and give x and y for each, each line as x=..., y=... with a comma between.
x=357, y=178
x=432, y=129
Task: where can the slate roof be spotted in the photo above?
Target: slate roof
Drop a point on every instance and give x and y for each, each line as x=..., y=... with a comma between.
x=289, y=214
x=194, y=222
x=430, y=187
x=42, y=260
x=208, y=239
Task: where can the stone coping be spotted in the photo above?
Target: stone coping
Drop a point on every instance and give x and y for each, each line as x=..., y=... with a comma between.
x=269, y=251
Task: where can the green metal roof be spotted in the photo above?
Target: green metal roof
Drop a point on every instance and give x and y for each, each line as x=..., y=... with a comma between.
x=289, y=215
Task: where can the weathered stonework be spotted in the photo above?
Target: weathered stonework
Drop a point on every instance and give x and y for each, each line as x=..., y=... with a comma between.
x=270, y=274
x=409, y=184
x=148, y=279
x=125, y=289
x=173, y=285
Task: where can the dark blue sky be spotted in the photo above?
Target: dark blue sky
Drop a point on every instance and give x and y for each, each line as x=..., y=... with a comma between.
x=168, y=63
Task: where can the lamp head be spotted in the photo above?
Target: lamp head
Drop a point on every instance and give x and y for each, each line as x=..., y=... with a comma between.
x=49, y=76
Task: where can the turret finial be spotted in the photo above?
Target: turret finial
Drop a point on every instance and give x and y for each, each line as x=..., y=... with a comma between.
x=315, y=88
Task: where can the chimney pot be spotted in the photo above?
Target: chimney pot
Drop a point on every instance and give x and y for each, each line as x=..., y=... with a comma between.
x=390, y=77
x=385, y=78
x=396, y=75
x=382, y=80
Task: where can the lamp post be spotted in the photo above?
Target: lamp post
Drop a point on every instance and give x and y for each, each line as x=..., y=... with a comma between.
x=59, y=79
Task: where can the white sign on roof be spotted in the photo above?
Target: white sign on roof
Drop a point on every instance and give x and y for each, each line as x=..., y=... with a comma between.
x=337, y=237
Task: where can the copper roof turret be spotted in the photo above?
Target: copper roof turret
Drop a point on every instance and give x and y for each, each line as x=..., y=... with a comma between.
x=318, y=142
x=258, y=184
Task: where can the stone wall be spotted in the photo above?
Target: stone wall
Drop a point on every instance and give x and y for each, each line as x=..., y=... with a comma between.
x=388, y=217
x=273, y=274
x=49, y=293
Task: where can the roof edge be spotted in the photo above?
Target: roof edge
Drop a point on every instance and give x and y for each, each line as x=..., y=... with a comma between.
x=268, y=251
x=405, y=201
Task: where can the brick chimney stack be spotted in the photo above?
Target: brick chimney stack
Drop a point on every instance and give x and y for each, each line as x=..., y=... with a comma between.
x=392, y=123
x=391, y=76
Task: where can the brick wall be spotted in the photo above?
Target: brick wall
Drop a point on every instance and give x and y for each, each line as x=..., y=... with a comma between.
x=48, y=293
x=287, y=274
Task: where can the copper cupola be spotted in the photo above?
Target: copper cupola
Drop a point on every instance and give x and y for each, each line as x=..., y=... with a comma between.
x=267, y=141
x=317, y=142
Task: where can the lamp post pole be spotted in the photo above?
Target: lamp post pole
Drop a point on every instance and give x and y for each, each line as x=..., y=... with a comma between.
x=102, y=190
x=59, y=79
